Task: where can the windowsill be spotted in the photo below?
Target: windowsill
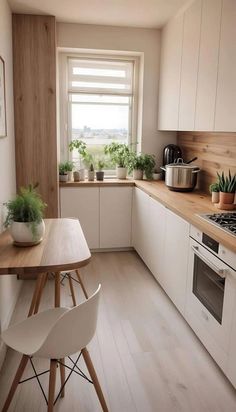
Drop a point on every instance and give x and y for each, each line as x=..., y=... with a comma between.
x=105, y=182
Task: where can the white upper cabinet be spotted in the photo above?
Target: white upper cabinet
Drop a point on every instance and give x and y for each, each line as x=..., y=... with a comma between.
x=189, y=70
x=225, y=115
x=208, y=65
x=171, y=51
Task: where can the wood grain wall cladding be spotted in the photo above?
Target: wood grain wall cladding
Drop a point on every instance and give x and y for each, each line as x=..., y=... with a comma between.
x=215, y=152
x=34, y=56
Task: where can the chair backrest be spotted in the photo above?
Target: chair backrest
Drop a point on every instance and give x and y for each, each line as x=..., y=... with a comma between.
x=72, y=331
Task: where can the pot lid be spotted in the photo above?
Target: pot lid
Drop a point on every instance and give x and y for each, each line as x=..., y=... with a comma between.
x=180, y=163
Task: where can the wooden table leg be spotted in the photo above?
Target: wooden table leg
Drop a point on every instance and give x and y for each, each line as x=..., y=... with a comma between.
x=57, y=289
x=41, y=287
x=36, y=294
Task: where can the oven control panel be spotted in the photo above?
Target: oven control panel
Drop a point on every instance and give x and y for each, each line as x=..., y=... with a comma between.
x=219, y=250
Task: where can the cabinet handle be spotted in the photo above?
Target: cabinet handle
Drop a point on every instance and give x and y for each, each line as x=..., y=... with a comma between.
x=221, y=272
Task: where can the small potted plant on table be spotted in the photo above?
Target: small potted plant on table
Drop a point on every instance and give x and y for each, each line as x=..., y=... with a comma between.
x=63, y=173
x=136, y=165
x=69, y=169
x=149, y=166
x=25, y=217
x=100, y=172
x=227, y=186
x=119, y=154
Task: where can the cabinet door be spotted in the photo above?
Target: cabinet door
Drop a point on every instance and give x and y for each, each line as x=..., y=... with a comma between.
x=189, y=70
x=171, y=51
x=225, y=116
x=115, y=217
x=208, y=65
x=140, y=216
x=176, y=259
x=156, y=232
x=83, y=203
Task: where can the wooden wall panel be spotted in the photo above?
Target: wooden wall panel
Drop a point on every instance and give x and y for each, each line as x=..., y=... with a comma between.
x=34, y=55
x=215, y=152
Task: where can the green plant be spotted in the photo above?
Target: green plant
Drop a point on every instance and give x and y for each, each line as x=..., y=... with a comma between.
x=227, y=184
x=79, y=145
x=101, y=165
x=68, y=166
x=63, y=169
x=214, y=187
x=136, y=161
x=119, y=153
x=149, y=165
x=27, y=207
x=91, y=167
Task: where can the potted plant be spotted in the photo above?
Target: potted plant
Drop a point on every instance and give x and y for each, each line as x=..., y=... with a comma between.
x=227, y=187
x=63, y=173
x=100, y=172
x=119, y=154
x=25, y=217
x=136, y=165
x=69, y=169
x=91, y=173
x=214, y=190
x=149, y=165
x=81, y=147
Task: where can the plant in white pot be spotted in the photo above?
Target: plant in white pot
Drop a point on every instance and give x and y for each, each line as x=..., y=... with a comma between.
x=119, y=154
x=149, y=166
x=81, y=147
x=63, y=173
x=69, y=169
x=25, y=217
x=136, y=165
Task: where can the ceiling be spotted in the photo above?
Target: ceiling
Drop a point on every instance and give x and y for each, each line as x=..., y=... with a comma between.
x=130, y=13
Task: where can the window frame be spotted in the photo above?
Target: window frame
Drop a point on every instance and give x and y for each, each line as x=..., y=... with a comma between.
x=64, y=125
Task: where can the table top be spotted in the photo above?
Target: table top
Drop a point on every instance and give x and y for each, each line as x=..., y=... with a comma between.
x=63, y=248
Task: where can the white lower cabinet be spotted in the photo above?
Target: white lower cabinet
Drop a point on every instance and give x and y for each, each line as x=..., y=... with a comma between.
x=176, y=258
x=161, y=238
x=83, y=203
x=115, y=217
x=104, y=214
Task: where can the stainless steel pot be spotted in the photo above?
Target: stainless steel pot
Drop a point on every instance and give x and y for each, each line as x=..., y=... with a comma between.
x=180, y=176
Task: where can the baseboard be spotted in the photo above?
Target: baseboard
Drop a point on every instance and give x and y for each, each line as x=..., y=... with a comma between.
x=115, y=249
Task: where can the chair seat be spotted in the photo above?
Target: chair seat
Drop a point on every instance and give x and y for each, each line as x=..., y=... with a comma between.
x=28, y=336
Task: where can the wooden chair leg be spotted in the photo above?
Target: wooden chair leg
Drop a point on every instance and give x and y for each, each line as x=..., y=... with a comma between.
x=35, y=295
x=94, y=378
x=52, y=384
x=63, y=376
x=72, y=290
x=81, y=284
x=40, y=292
x=15, y=382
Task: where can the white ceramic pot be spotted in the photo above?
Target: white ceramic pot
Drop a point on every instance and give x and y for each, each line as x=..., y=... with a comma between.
x=91, y=175
x=81, y=174
x=63, y=178
x=70, y=176
x=156, y=176
x=23, y=232
x=215, y=197
x=137, y=174
x=121, y=172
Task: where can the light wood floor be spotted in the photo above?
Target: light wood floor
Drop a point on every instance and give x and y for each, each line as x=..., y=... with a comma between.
x=146, y=356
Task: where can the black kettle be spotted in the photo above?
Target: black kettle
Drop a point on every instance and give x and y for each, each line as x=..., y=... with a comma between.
x=170, y=153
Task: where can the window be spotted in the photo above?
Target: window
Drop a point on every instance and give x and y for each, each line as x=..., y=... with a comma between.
x=100, y=102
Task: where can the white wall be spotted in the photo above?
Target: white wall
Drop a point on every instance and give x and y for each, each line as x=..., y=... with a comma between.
x=147, y=41
x=9, y=286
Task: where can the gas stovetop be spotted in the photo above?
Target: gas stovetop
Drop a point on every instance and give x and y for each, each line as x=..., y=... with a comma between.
x=226, y=221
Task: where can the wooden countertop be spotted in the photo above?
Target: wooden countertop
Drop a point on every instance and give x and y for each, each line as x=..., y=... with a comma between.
x=186, y=205
x=63, y=248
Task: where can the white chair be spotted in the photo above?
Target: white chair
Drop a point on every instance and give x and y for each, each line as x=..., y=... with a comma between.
x=55, y=334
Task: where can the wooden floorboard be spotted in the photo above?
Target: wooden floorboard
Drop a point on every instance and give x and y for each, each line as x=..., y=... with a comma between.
x=146, y=356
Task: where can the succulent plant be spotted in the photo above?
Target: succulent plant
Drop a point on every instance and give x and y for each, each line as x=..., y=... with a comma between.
x=227, y=184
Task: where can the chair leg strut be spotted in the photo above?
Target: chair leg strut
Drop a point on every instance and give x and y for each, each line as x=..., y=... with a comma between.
x=81, y=284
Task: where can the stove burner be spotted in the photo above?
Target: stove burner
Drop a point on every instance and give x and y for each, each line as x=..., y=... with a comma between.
x=226, y=221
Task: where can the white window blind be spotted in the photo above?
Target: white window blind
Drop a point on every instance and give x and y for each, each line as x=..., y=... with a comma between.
x=100, y=76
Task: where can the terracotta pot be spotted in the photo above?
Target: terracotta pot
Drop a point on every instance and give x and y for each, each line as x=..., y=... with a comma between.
x=137, y=174
x=215, y=197
x=121, y=172
x=23, y=232
x=226, y=198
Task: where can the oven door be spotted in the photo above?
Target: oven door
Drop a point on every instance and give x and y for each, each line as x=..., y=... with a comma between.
x=210, y=294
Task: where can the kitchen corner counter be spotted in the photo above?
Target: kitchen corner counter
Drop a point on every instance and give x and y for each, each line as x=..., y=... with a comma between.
x=187, y=205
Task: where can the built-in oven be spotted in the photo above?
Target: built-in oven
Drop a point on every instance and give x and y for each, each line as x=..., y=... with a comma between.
x=211, y=292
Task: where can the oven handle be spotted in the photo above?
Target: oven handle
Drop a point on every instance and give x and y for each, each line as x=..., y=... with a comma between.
x=221, y=272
